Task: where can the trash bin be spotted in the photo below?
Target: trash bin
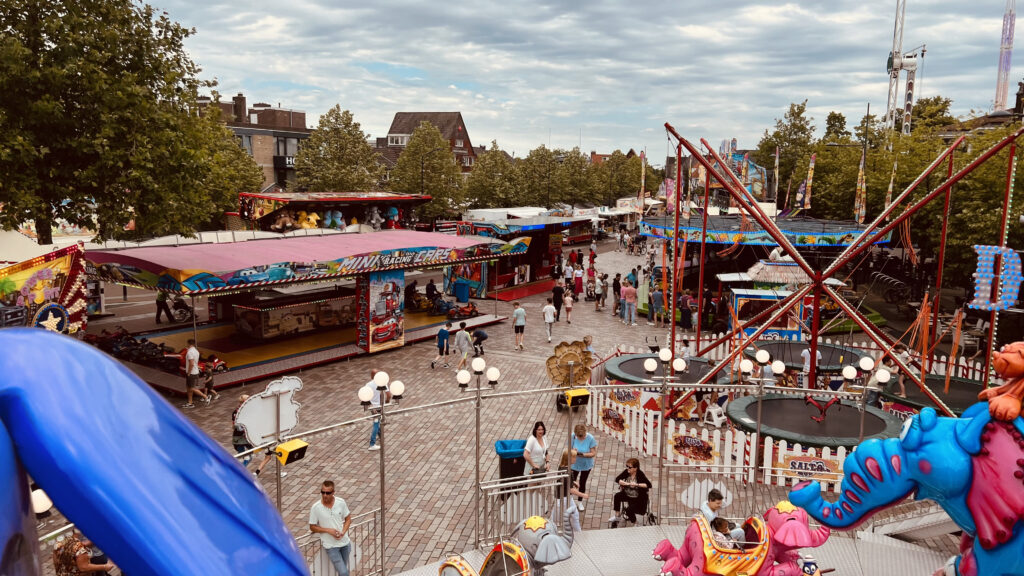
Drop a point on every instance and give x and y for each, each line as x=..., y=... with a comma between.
x=511, y=462
x=461, y=291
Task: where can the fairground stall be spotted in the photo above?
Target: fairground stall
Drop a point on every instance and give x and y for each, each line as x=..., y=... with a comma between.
x=306, y=299
x=348, y=211
x=510, y=277
x=48, y=291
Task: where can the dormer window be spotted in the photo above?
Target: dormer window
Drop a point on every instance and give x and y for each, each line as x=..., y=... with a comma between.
x=398, y=140
x=458, y=142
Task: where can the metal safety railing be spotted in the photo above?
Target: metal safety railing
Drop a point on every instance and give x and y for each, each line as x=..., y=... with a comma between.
x=508, y=501
x=363, y=559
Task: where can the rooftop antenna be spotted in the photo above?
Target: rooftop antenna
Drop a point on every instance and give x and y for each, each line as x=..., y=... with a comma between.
x=1005, y=52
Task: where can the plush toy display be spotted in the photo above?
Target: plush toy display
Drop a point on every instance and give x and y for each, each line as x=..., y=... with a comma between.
x=393, y=218
x=972, y=466
x=309, y=220
x=333, y=219
x=285, y=221
x=373, y=218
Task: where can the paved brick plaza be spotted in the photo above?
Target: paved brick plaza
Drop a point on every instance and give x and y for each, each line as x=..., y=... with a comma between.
x=430, y=453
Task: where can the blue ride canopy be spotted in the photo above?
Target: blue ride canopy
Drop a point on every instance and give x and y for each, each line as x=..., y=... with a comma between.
x=135, y=476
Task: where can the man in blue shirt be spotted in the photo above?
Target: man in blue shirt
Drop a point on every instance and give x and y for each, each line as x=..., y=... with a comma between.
x=585, y=447
x=657, y=306
x=442, y=345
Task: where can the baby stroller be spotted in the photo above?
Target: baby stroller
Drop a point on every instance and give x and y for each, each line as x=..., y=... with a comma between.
x=591, y=291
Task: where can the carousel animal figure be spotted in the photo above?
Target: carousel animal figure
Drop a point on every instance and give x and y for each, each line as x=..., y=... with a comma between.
x=772, y=550
x=1004, y=402
x=972, y=466
x=284, y=222
x=155, y=500
x=333, y=219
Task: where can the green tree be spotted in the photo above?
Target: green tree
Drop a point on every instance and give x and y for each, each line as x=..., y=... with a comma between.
x=542, y=181
x=574, y=177
x=491, y=184
x=928, y=114
x=835, y=126
x=337, y=157
x=96, y=119
x=428, y=166
x=793, y=136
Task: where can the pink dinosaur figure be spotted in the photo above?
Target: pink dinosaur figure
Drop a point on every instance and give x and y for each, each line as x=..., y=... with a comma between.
x=773, y=548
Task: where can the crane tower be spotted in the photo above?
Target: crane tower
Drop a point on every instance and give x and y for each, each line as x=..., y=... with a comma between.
x=899, y=62
x=1005, y=51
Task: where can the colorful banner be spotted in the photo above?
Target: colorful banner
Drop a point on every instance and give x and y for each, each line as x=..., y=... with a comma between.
x=803, y=194
x=46, y=292
x=892, y=180
x=861, y=196
x=811, y=468
x=776, y=173
x=756, y=237
x=472, y=273
x=386, y=310
x=202, y=281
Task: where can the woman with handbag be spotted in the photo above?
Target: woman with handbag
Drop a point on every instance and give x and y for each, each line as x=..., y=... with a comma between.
x=634, y=490
x=536, y=451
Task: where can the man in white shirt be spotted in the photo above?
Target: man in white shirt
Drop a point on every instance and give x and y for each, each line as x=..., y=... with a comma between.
x=375, y=408
x=192, y=375
x=806, y=355
x=331, y=518
x=549, y=317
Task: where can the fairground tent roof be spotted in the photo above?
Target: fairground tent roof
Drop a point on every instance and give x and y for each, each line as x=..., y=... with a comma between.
x=208, y=268
x=788, y=273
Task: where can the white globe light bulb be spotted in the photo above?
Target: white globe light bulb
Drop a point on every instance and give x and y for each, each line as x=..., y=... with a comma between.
x=778, y=367
x=493, y=374
x=463, y=377
x=650, y=365
x=665, y=354
x=867, y=364
x=849, y=372
x=746, y=366
x=381, y=379
x=763, y=357
x=679, y=365
x=882, y=375
x=365, y=393
x=398, y=387
x=478, y=364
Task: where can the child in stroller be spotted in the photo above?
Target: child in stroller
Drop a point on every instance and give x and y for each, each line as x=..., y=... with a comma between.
x=591, y=291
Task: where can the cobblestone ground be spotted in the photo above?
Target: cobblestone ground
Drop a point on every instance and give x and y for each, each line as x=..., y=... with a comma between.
x=430, y=473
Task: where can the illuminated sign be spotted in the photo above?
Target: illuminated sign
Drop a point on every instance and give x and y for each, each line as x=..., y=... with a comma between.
x=996, y=290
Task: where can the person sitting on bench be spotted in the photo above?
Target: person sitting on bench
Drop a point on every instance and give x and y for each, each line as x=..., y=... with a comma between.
x=633, y=490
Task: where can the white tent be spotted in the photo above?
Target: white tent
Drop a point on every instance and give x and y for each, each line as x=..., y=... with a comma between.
x=16, y=247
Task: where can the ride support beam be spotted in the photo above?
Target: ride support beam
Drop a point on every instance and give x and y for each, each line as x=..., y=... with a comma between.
x=883, y=343
x=703, y=249
x=812, y=374
x=1007, y=198
x=675, y=254
x=942, y=256
x=857, y=246
x=760, y=316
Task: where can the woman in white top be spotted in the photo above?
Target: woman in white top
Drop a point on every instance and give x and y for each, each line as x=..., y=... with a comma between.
x=536, y=452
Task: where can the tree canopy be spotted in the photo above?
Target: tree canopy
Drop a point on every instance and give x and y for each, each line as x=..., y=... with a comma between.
x=99, y=124
x=793, y=136
x=337, y=157
x=427, y=166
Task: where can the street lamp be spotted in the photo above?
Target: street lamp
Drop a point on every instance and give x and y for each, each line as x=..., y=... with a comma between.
x=463, y=377
x=764, y=359
x=423, y=157
x=665, y=355
x=379, y=385
x=850, y=374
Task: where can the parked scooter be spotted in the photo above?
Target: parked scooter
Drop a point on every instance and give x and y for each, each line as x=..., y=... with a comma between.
x=441, y=307
x=460, y=312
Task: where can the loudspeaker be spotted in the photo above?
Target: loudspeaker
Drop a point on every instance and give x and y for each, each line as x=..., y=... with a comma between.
x=291, y=451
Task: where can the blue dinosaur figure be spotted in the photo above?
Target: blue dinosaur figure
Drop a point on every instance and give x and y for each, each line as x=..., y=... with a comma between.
x=142, y=481
x=973, y=466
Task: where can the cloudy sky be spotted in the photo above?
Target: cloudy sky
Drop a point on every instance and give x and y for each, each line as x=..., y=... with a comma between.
x=599, y=74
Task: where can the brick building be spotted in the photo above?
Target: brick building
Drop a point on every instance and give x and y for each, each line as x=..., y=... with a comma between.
x=452, y=129
x=270, y=135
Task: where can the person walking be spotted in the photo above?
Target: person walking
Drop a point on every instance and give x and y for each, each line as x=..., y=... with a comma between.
x=536, y=451
x=657, y=306
x=578, y=279
x=584, y=448
x=163, y=308
x=598, y=292
x=569, y=299
x=616, y=295
x=549, y=317
x=330, y=518
x=518, y=324
x=629, y=298
x=375, y=408
x=463, y=345
x=568, y=274
x=207, y=378
x=557, y=298
x=192, y=385
x=443, y=338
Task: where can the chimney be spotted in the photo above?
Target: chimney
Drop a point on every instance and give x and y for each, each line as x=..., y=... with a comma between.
x=239, y=107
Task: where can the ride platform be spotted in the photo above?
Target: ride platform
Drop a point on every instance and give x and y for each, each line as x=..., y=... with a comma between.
x=250, y=360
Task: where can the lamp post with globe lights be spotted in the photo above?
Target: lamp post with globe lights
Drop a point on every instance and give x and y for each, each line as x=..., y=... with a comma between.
x=463, y=377
x=764, y=359
x=379, y=385
x=669, y=366
x=850, y=375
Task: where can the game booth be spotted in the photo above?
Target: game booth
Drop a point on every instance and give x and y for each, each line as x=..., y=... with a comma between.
x=48, y=291
x=509, y=277
x=307, y=299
